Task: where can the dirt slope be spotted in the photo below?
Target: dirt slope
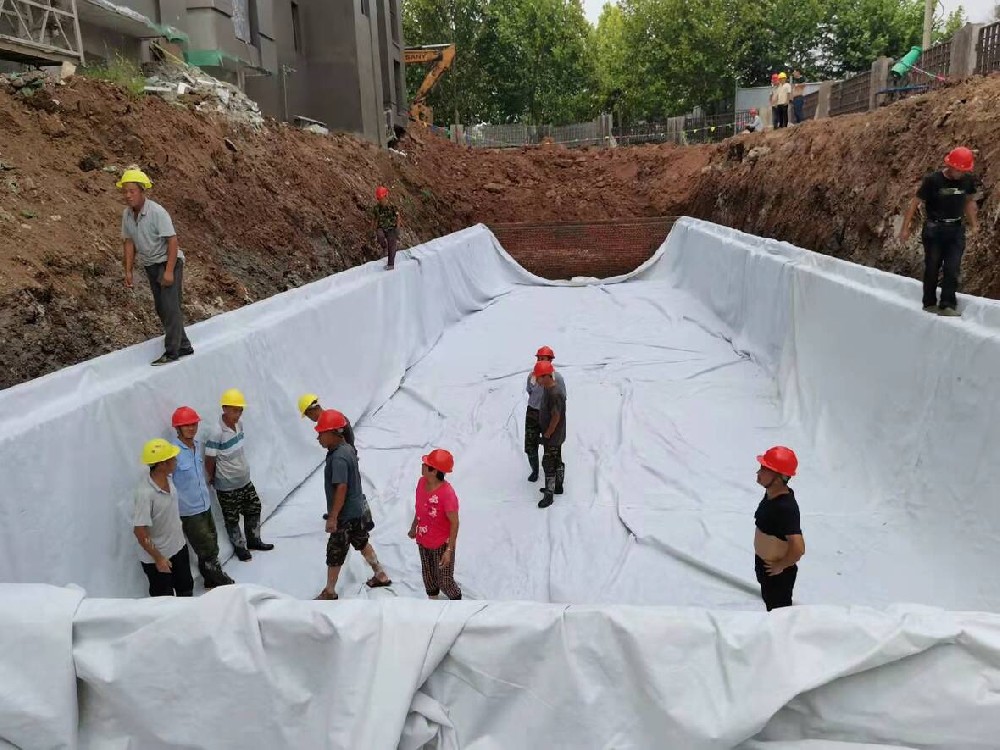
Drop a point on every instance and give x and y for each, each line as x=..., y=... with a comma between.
x=267, y=212
x=841, y=186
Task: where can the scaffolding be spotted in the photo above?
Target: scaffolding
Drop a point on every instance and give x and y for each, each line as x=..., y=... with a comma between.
x=40, y=32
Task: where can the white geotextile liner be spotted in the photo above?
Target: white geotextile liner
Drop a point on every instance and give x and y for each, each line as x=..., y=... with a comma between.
x=718, y=347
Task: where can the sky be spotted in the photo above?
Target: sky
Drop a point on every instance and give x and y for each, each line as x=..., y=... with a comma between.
x=976, y=10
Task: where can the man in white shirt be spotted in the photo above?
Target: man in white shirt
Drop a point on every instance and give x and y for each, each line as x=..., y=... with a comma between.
x=782, y=96
x=156, y=522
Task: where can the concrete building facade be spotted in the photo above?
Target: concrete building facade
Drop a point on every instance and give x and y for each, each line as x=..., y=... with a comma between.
x=339, y=62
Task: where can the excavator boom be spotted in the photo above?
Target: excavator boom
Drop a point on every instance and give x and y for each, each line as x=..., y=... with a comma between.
x=443, y=57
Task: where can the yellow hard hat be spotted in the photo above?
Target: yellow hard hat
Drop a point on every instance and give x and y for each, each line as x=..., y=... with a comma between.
x=137, y=176
x=782, y=75
x=158, y=450
x=233, y=397
x=305, y=401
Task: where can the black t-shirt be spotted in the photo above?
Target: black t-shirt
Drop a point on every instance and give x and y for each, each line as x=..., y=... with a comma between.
x=779, y=516
x=553, y=401
x=944, y=198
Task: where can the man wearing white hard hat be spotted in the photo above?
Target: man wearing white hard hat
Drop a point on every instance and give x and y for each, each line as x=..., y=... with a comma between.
x=149, y=237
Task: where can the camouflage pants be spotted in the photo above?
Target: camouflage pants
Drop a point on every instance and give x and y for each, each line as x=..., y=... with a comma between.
x=200, y=532
x=235, y=503
x=532, y=432
x=554, y=468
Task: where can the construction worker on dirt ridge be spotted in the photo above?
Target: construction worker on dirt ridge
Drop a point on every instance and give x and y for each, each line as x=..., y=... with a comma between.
x=798, y=96
x=948, y=195
x=773, y=100
x=149, y=237
x=755, y=125
x=782, y=96
x=156, y=523
x=435, y=524
x=532, y=427
x=310, y=408
x=194, y=498
x=552, y=417
x=385, y=224
x=228, y=470
x=778, y=543
x=348, y=517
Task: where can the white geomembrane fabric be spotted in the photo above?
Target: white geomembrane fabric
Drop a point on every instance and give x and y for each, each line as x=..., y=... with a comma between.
x=627, y=614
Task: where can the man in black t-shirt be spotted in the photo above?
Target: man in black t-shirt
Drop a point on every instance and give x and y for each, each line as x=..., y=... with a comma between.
x=948, y=197
x=778, y=543
x=552, y=419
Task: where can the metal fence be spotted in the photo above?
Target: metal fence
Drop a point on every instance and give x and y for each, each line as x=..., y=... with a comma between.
x=988, y=49
x=810, y=104
x=518, y=134
x=851, y=95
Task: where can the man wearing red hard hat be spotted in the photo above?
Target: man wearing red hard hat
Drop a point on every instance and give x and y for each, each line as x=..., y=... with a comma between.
x=349, y=518
x=532, y=427
x=435, y=525
x=552, y=417
x=194, y=499
x=948, y=195
x=778, y=544
x=385, y=223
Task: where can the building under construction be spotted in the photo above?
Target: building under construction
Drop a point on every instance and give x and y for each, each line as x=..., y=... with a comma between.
x=340, y=63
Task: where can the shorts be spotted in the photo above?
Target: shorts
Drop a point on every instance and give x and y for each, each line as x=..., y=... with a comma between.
x=353, y=533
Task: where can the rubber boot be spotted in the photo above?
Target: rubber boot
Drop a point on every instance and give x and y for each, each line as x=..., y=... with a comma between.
x=252, y=526
x=533, y=463
x=560, y=476
x=239, y=544
x=214, y=575
x=550, y=485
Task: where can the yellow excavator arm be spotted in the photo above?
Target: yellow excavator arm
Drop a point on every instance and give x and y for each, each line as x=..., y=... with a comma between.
x=443, y=57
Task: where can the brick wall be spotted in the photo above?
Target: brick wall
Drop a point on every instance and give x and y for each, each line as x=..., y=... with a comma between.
x=599, y=249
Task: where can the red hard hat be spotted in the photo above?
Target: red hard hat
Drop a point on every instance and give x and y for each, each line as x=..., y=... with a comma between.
x=381, y=192
x=543, y=368
x=184, y=416
x=330, y=420
x=753, y=110
x=545, y=351
x=961, y=159
x=440, y=459
x=780, y=459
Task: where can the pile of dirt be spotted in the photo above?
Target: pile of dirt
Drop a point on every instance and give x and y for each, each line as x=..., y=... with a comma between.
x=258, y=210
x=841, y=186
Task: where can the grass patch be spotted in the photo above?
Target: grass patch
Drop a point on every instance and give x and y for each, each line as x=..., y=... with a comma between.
x=120, y=71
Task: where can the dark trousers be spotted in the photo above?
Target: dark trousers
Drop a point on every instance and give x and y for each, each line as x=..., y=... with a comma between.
x=782, y=115
x=177, y=582
x=168, y=301
x=944, y=245
x=532, y=433
x=388, y=239
x=553, y=466
x=235, y=503
x=774, y=116
x=438, y=577
x=776, y=591
x=799, y=108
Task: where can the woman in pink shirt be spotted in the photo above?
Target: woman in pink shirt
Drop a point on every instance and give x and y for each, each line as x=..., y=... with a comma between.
x=435, y=525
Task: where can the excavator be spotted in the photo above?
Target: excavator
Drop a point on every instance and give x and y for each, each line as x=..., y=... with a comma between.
x=443, y=57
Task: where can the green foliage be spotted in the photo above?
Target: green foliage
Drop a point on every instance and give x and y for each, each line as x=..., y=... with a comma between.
x=119, y=70
x=539, y=61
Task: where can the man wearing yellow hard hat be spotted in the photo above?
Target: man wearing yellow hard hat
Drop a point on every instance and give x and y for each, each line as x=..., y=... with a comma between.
x=156, y=522
x=149, y=237
x=310, y=408
x=228, y=470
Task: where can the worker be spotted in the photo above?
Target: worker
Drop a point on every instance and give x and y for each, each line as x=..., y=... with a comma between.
x=156, y=523
x=755, y=125
x=194, y=499
x=773, y=100
x=310, y=408
x=532, y=427
x=798, y=96
x=777, y=541
x=228, y=470
x=552, y=417
x=948, y=195
x=435, y=524
x=149, y=237
x=349, y=518
x=782, y=96
x=385, y=223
